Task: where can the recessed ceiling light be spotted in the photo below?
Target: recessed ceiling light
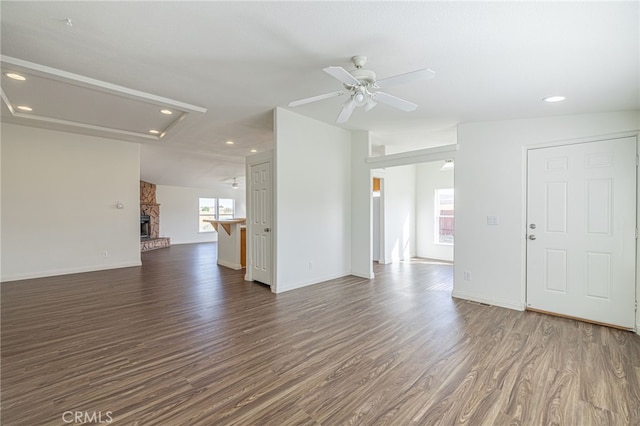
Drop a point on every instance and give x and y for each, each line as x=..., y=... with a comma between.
x=554, y=99
x=15, y=76
x=166, y=111
x=229, y=142
x=154, y=132
x=254, y=150
x=24, y=108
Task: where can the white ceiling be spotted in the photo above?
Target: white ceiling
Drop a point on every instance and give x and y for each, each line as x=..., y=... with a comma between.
x=239, y=60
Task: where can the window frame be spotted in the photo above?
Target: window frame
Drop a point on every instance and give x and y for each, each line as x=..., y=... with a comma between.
x=437, y=237
x=214, y=214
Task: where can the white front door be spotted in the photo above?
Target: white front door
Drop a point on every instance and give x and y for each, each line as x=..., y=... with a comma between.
x=260, y=222
x=581, y=219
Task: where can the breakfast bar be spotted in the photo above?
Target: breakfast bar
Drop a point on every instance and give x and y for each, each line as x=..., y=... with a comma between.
x=232, y=246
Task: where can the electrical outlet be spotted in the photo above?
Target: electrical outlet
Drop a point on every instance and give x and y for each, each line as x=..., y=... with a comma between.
x=105, y=254
x=492, y=220
x=467, y=276
x=310, y=265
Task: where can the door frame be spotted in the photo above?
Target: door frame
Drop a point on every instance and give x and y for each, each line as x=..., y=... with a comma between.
x=253, y=160
x=525, y=174
x=378, y=164
x=382, y=258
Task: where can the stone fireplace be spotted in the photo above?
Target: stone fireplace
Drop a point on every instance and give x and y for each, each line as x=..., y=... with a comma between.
x=145, y=227
x=150, y=211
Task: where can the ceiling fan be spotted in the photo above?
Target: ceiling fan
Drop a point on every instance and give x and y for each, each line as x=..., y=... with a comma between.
x=363, y=88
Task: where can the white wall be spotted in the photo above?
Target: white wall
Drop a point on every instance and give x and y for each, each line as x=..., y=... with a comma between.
x=361, y=206
x=313, y=201
x=399, y=207
x=429, y=177
x=179, y=211
x=59, y=195
x=489, y=180
x=1, y=272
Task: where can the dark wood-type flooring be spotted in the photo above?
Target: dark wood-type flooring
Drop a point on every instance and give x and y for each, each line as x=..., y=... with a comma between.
x=181, y=341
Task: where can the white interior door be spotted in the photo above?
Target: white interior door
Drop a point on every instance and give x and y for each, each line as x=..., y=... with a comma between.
x=261, y=222
x=581, y=217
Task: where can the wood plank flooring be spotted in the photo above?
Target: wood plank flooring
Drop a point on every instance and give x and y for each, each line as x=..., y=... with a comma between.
x=181, y=341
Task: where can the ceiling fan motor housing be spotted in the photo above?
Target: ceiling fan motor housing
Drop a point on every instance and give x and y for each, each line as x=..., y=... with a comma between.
x=365, y=77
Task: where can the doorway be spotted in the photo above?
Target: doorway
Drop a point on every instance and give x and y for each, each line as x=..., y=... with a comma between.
x=377, y=220
x=259, y=226
x=581, y=231
x=409, y=219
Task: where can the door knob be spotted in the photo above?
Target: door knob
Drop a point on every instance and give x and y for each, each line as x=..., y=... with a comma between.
x=532, y=237
x=267, y=229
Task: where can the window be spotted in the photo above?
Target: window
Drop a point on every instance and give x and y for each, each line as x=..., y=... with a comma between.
x=444, y=216
x=214, y=209
x=225, y=208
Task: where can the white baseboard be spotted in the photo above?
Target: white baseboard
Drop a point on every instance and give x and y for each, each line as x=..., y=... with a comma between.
x=488, y=300
x=300, y=284
x=235, y=266
x=68, y=271
x=365, y=276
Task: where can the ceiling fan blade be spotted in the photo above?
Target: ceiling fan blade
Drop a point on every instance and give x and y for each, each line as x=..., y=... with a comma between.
x=347, y=109
x=386, y=98
x=342, y=75
x=316, y=98
x=424, y=74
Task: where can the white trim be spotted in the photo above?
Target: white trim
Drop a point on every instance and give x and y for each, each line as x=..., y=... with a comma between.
x=52, y=120
x=231, y=265
x=445, y=152
x=67, y=271
x=487, y=300
x=121, y=92
x=637, y=313
x=7, y=102
x=103, y=86
x=305, y=283
x=585, y=139
x=523, y=227
x=370, y=277
x=382, y=252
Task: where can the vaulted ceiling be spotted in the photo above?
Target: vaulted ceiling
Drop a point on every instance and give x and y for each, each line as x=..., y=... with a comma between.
x=222, y=67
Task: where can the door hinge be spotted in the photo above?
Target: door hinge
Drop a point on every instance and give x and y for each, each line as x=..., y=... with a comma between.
x=637, y=160
x=636, y=233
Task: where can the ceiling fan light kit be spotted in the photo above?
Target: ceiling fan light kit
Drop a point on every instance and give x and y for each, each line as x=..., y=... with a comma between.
x=363, y=88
